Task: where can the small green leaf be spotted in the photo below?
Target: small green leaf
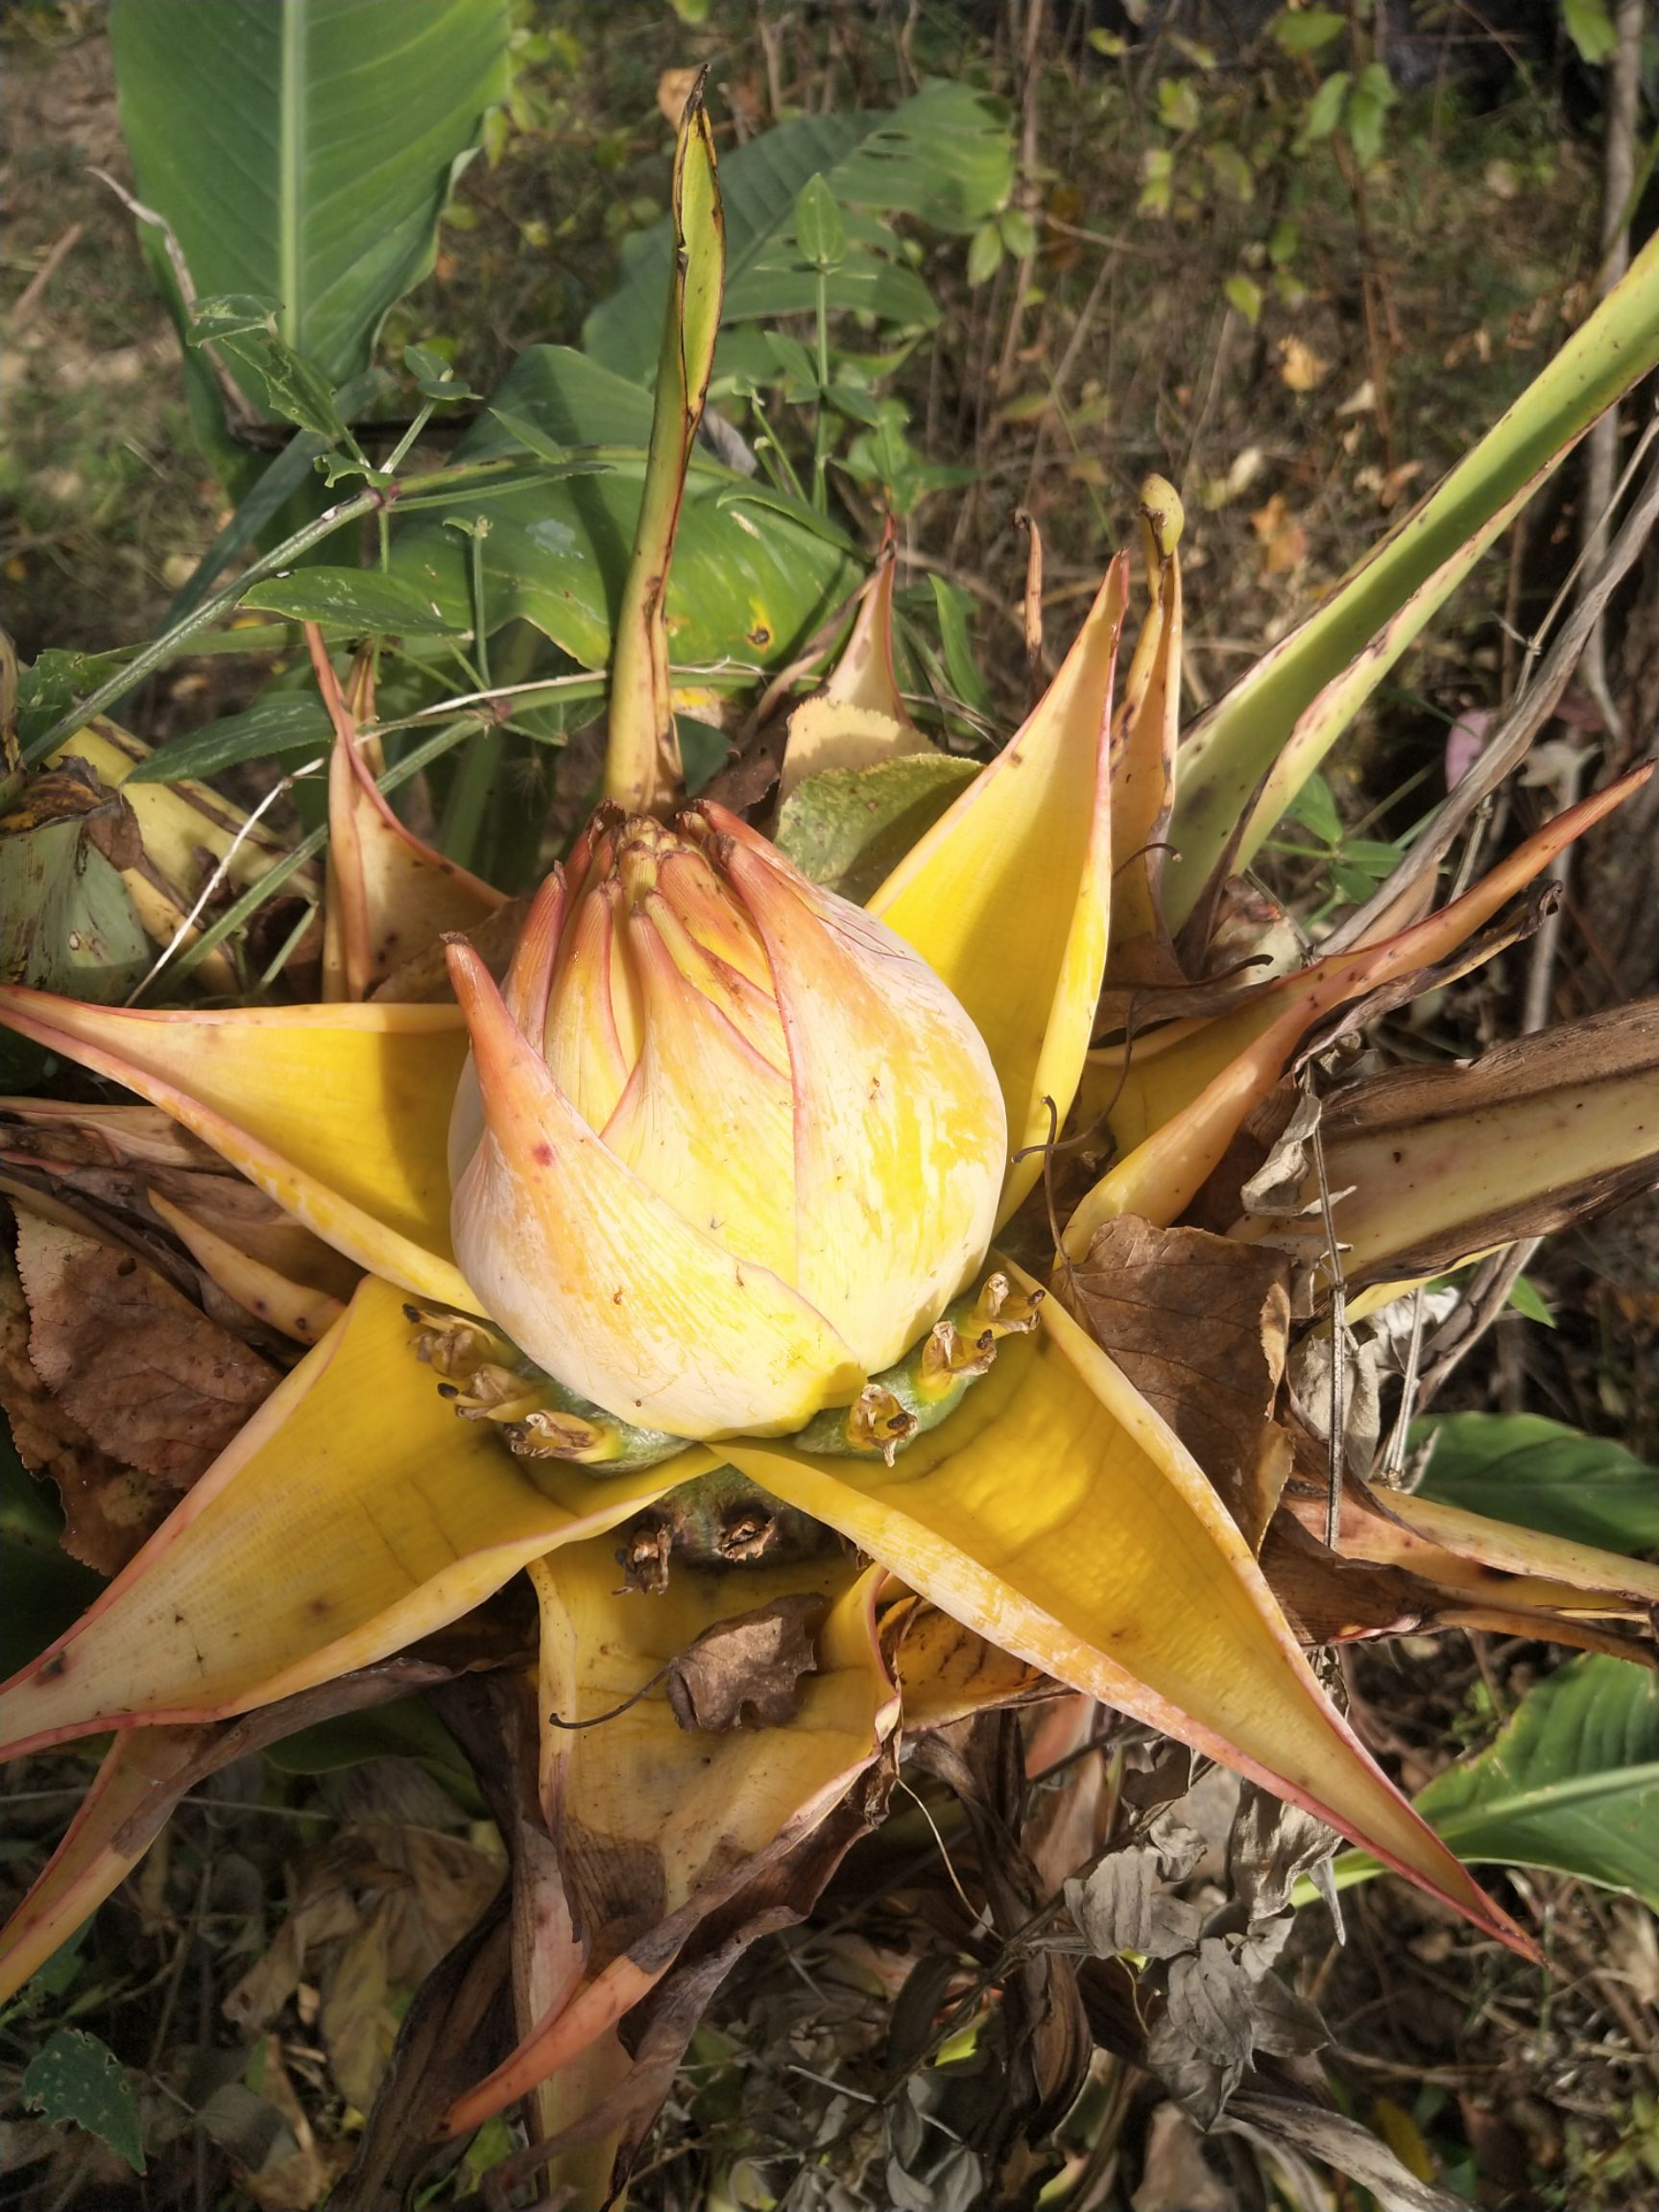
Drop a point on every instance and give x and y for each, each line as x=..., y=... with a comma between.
x=355, y=599
x=1245, y=295
x=77, y=2077
x=1373, y=96
x=287, y=722
x=1304, y=30
x=50, y=686
x=955, y=609
x=284, y=380
x=1590, y=24
x=1539, y=1473
x=1283, y=241
x=1178, y=106
x=1324, y=112
x=1527, y=1299
x=984, y=253
x=820, y=228
x=1314, y=806
x=1019, y=233
x=1234, y=178
x=531, y=436
x=857, y=403
x=796, y=367
x=434, y=378
x=850, y=827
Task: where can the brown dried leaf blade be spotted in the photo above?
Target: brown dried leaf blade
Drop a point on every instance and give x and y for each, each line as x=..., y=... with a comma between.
x=145, y=1377
x=1199, y=1325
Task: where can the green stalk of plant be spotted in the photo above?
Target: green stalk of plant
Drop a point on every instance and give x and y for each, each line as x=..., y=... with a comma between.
x=1246, y=759
x=820, y=235
x=643, y=762
x=438, y=482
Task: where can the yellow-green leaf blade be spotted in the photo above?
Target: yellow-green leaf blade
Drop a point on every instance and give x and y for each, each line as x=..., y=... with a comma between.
x=339, y=1112
x=1056, y=1514
x=355, y=1512
x=1006, y=897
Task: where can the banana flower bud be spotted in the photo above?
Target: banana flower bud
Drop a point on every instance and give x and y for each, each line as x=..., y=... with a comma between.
x=725, y=1146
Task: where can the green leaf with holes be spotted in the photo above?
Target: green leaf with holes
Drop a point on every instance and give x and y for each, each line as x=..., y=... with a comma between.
x=75, y=2078
x=360, y=600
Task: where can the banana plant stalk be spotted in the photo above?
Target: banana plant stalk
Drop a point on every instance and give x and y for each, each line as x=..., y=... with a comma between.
x=642, y=765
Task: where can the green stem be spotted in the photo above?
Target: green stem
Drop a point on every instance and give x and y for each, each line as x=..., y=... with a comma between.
x=821, y=431
x=217, y=603
x=399, y=452
x=480, y=628
x=470, y=797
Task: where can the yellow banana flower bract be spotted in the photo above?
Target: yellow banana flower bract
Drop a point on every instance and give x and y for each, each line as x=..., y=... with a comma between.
x=1053, y=1512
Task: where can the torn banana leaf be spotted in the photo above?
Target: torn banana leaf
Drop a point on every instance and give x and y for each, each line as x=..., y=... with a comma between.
x=1435, y=1164
x=1282, y=718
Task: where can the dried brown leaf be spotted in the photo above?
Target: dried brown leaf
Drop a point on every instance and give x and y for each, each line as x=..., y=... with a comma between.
x=1440, y=1162
x=375, y=1911
x=745, y=1672
x=1341, y=2143
x=1200, y=2043
x=1199, y=1325
x=1272, y=1846
x=1174, y=2178
x=1125, y=1904
x=109, y=1509
x=147, y=1377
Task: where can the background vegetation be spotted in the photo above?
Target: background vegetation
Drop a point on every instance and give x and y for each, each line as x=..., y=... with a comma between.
x=1296, y=266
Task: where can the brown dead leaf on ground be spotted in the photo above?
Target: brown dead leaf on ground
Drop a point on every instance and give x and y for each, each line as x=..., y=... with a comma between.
x=1174, y=2178
x=1199, y=1325
x=376, y=1911
x=116, y=1385
x=1300, y=368
x=282, y=2166
x=1280, y=539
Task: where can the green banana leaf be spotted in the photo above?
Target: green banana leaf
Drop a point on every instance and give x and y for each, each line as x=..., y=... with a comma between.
x=302, y=150
x=66, y=923
x=1282, y=718
x=754, y=573
x=1571, y=1784
x=1540, y=1474
x=944, y=157
x=850, y=827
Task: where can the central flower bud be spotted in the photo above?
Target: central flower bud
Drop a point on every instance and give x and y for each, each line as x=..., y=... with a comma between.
x=726, y=1146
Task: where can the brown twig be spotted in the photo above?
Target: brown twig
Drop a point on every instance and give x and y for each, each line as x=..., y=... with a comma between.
x=29, y=299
